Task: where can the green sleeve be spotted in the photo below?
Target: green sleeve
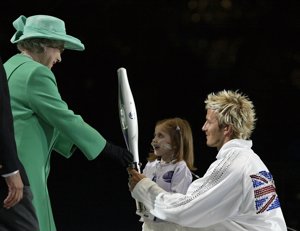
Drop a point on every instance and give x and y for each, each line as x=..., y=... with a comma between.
x=47, y=103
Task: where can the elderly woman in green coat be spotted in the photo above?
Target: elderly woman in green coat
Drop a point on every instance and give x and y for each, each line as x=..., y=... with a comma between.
x=42, y=120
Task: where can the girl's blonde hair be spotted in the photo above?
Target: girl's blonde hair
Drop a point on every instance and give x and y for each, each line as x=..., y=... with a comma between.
x=181, y=138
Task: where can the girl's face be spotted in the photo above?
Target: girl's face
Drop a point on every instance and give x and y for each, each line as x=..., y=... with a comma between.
x=162, y=144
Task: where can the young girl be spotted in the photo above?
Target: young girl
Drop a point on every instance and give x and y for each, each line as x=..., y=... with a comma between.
x=169, y=165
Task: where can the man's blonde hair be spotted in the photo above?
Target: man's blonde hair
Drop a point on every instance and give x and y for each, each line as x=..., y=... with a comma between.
x=234, y=109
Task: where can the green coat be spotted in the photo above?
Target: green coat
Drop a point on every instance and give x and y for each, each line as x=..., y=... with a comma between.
x=43, y=122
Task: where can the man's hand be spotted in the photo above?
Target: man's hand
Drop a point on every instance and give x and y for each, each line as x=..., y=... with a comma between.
x=134, y=178
x=15, y=190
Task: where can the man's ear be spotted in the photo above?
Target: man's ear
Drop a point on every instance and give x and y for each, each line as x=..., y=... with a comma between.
x=228, y=130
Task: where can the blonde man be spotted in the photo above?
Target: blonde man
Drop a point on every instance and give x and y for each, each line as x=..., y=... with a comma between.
x=237, y=193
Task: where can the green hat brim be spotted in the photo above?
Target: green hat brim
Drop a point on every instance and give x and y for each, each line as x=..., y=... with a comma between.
x=71, y=42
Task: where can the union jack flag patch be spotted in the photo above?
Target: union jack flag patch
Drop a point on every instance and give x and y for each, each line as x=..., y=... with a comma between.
x=265, y=194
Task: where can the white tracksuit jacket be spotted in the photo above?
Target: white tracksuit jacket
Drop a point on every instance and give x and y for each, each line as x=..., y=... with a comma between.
x=237, y=193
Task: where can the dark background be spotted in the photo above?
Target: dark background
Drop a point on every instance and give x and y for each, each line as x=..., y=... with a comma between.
x=175, y=53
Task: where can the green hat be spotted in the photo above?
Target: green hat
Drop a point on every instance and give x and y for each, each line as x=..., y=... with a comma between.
x=44, y=26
